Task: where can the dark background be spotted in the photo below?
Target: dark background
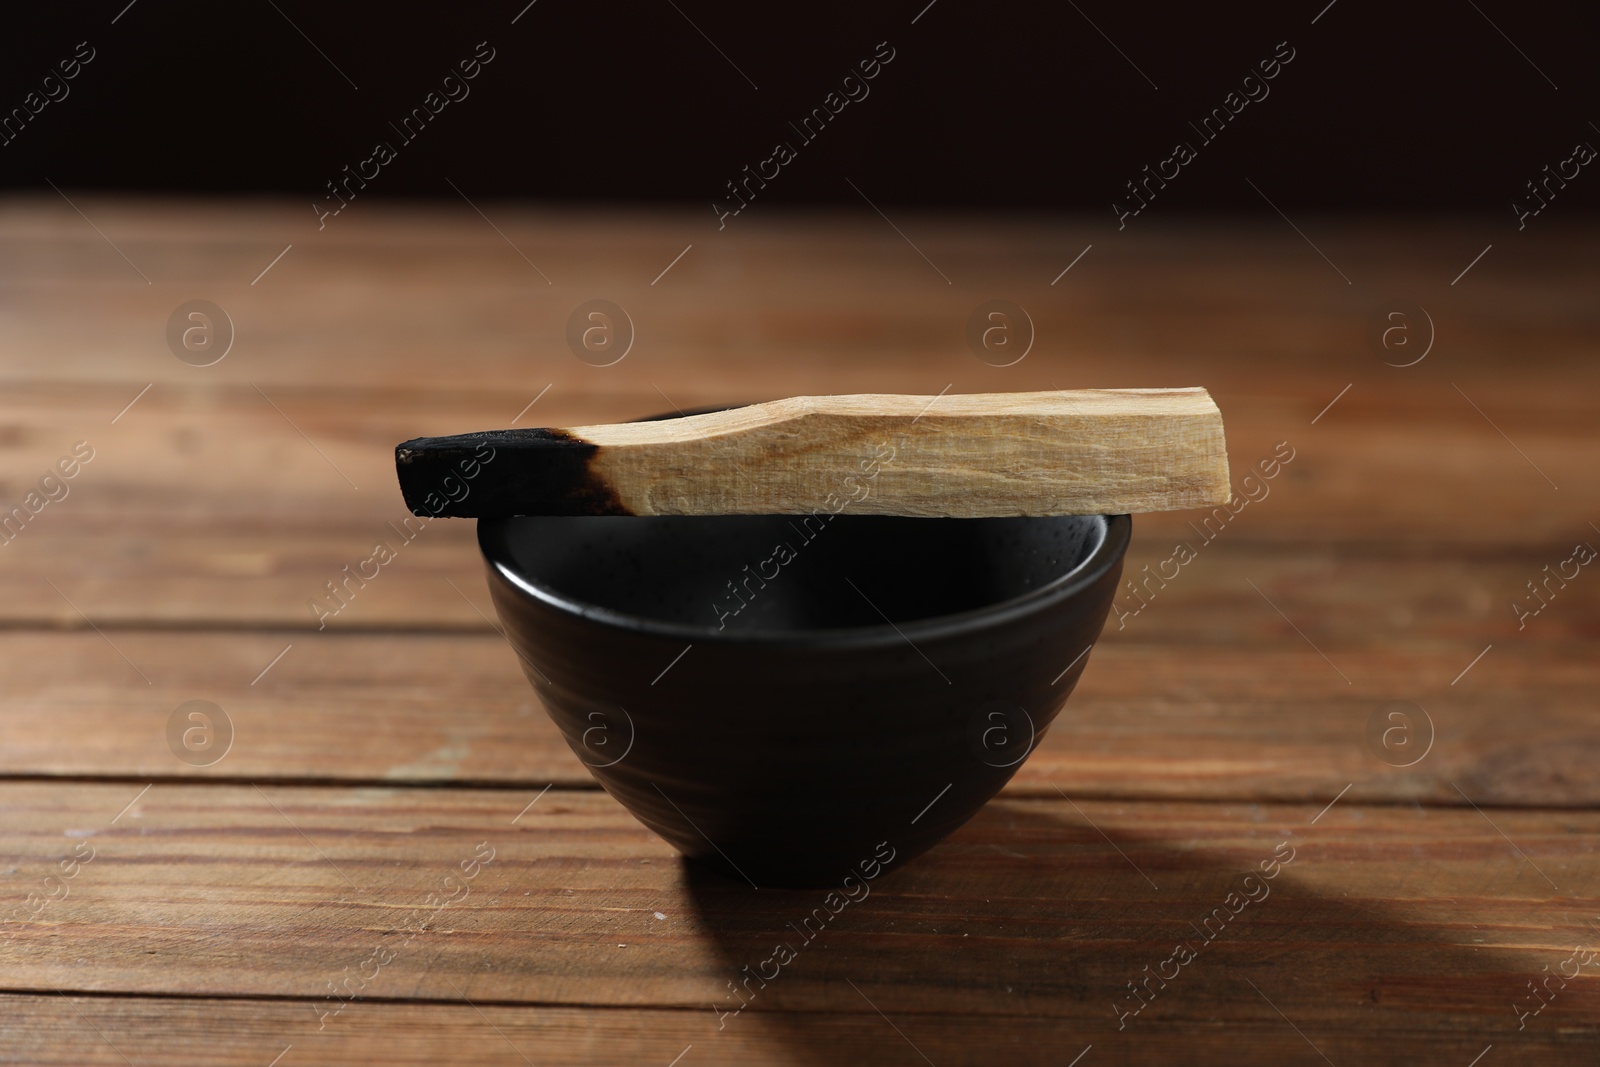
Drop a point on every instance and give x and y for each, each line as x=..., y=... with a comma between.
x=993, y=106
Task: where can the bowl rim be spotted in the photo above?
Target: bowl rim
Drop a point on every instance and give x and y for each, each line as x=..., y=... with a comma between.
x=1115, y=533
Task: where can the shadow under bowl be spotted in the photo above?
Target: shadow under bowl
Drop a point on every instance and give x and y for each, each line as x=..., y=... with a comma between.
x=794, y=699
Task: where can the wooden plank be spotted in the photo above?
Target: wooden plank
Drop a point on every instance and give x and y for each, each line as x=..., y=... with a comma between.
x=265, y=580
x=810, y=283
x=1343, y=598
x=1147, y=720
x=152, y=1031
x=1038, y=907
x=331, y=707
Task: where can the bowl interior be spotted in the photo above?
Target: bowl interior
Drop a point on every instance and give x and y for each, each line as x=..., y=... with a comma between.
x=775, y=574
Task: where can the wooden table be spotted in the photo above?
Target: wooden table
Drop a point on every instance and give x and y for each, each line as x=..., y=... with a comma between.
x=398, y=861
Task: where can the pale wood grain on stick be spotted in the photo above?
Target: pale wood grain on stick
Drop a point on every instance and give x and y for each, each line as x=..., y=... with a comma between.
x=1063, y=452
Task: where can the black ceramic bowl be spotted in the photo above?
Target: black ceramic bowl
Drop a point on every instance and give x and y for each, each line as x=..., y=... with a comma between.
x=794, y=701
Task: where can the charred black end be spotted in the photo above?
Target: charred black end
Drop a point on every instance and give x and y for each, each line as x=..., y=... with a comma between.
x=500, y=473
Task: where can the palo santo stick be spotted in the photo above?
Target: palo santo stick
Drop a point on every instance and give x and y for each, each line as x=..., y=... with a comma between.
x=1070, y=452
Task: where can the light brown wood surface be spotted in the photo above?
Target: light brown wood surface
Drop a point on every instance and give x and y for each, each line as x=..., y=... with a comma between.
x=1216, y=719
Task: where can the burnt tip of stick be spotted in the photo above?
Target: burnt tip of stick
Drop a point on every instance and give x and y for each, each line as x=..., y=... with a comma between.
x=495, y=473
